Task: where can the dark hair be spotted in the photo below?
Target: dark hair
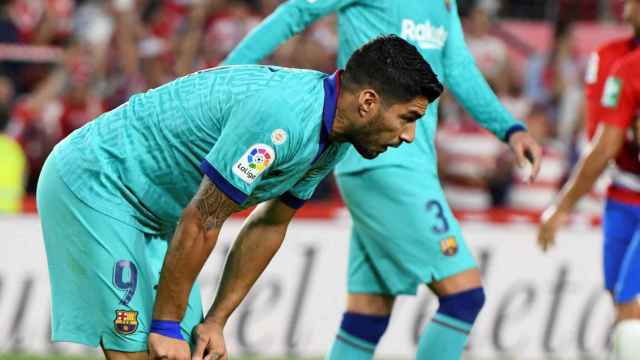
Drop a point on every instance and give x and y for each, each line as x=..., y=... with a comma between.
x=392, y=67
x=4, y=117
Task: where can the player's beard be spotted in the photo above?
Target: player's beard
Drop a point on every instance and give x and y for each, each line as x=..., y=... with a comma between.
x=363, y=139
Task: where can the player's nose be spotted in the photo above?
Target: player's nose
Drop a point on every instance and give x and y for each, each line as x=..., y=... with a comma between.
x=408, y=133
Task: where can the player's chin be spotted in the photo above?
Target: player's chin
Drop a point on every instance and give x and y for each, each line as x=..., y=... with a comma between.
x=368, y=153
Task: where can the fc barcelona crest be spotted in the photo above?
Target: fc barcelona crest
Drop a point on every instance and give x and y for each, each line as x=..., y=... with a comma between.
x=126, y=322
x=449, y=246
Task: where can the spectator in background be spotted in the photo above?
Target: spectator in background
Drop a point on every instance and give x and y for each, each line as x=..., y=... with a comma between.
x=65, y=101
x=554, y=79
x=9, y=35
x=211, y=31
x=34, y=123
x=12, y=158
x=43, y=22
x=489, y=51
x=8, y=29
x=79, y=102
x=225, y=29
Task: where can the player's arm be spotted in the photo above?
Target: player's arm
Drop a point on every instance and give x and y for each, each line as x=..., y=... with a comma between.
x=193, y=241
x=258, y=241
x=469, y=86
x=608, y=141
x=619, y=106
x=260, y=238
x=286, y=21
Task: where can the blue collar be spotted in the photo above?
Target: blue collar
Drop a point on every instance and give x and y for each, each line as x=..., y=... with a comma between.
x=331, y=94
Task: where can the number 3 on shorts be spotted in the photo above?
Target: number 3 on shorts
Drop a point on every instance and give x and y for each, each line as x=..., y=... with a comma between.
x=127, y=284
x=443, y=226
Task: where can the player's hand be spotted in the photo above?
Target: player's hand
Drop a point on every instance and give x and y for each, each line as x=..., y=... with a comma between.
x=527, y=151
x=550, y=221
x=210, y=342
x=166, y=348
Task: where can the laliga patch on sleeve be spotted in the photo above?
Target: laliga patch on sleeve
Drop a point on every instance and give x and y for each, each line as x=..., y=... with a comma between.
x=254, y=162
x=611, y=93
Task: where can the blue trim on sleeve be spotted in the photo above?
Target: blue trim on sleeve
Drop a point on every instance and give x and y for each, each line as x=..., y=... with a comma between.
x=331, y=92
x=225, y=186
x=291, y=200
x=514, y=129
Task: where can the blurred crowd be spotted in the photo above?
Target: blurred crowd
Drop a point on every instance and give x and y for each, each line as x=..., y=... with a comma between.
x=62, y=62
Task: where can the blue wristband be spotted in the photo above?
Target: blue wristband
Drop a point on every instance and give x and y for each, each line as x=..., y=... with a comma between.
x=166, y=328
x=514, y=129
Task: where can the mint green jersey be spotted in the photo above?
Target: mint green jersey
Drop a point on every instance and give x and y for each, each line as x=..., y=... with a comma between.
x=432, y=26
x=257, y=132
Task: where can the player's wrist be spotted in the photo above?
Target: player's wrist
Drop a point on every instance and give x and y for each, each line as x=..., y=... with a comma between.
x=216, y=319
x=514, y=129
x=168, y=328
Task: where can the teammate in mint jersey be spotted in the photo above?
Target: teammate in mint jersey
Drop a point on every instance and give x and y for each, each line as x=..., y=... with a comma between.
x=409, y=236
x=137, y=197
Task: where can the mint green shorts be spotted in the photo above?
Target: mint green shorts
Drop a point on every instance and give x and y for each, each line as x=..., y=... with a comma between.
x=103, y=272
x=404, y=233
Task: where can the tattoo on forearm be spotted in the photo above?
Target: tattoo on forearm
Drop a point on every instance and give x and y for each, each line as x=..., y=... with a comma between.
x=214, y=206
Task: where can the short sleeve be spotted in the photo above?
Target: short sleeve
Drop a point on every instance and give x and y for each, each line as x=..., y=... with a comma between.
x=618, y=99
x=256, y=139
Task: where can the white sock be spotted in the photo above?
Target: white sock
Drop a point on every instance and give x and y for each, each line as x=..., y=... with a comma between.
x=626, y=340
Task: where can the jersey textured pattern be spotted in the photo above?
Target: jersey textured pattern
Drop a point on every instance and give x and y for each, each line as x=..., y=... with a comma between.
x=255, y=130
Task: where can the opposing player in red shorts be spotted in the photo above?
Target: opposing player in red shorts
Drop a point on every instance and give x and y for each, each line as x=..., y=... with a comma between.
x=613, y=101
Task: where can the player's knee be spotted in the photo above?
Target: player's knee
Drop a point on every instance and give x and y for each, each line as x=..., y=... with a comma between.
x=369, y=328
x=370, y=304
x=464, y=306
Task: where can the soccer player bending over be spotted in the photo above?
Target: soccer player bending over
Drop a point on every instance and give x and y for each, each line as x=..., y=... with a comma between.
x=613, y=101
x=132, y=203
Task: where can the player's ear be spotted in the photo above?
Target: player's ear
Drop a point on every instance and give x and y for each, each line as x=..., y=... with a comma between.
x=368, y=103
